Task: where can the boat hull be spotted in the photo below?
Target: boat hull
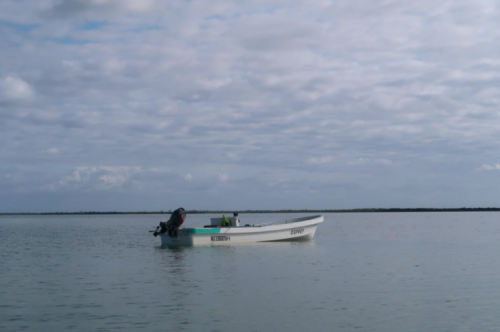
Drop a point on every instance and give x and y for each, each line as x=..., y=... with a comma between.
x=299, y=229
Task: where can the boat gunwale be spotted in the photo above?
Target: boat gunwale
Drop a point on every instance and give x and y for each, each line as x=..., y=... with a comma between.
x=263, y=228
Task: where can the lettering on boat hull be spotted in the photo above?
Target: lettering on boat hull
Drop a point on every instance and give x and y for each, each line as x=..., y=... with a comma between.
x=221, y=238
x=296, y=231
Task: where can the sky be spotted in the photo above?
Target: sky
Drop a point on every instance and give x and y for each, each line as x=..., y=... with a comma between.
x=145, y=105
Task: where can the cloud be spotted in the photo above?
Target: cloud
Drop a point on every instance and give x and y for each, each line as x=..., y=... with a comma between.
x=138, y=179
x=263, y=90
x=15, y=90
x=494, y=167
x=383, y=161
x=69, y=8
x=223, y=177
x=366, y=161
x=97, y=178
x=284, y=183
x=51, y=151
x=319, y=160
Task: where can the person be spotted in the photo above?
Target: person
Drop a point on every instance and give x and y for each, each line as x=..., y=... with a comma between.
x=235, y=215
x=225, y=222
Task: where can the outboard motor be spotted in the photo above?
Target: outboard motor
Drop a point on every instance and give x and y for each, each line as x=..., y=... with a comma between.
x=172, y=225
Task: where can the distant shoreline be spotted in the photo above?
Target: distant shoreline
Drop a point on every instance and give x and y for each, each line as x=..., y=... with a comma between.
x=257, y=211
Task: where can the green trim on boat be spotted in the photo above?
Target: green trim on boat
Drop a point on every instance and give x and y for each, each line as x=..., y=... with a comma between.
x=202, y=230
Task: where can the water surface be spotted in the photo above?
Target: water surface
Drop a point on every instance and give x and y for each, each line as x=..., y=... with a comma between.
x=363, y=271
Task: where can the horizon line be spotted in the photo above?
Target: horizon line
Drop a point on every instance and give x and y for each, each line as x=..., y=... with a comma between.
x=462, y=209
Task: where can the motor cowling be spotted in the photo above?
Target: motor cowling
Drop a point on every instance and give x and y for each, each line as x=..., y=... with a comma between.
x=176, y=220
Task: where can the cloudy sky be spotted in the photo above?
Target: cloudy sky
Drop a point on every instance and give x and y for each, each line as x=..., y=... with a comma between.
x=150, y=105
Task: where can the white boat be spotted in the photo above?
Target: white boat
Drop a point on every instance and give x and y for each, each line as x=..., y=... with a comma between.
x=297, y=229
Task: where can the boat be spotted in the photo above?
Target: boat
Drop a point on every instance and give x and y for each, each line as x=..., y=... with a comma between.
x=297, y=229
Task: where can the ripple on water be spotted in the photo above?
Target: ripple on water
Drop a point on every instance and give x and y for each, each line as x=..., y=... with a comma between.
x=377, y=272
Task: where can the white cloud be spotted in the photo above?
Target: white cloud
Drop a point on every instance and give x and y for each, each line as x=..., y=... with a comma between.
x=96, y=177
x=80, y=174
x=51, y=151
x=360, y=161
x=283, y=183
x=383, y=161
x=15, y=89
x=232, y=156
x=68, y=8
x=138, y=6
x=319, y=160
x=258, y=89
x=366, y=161
x=188, y=177
x=113, y=179
x=223, y=177
x=113, y=66
x=494, y=167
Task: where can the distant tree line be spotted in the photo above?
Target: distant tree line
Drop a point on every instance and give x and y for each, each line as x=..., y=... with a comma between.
x=463, y=209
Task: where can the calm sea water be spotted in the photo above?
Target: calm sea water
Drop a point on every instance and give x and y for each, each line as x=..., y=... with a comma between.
x=371, y=272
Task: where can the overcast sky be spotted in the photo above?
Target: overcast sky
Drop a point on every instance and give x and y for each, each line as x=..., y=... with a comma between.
x=151, y=105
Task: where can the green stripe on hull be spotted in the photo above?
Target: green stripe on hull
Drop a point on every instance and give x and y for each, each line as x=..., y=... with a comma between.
x=202, y=230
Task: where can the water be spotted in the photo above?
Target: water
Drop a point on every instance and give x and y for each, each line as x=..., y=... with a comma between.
x=371, y=272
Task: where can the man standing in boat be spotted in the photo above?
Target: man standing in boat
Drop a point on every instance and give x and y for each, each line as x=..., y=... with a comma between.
x=236, y=219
